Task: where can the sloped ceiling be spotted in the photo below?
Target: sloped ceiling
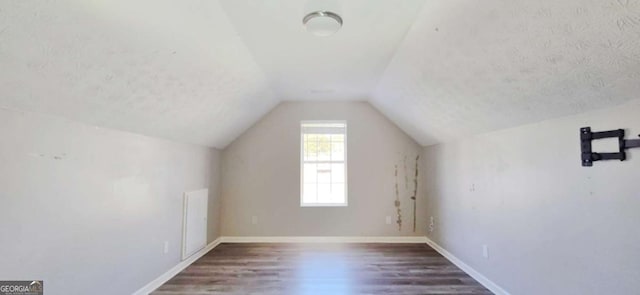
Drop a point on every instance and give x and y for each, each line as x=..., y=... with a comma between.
x=302, y=66
x=202, y=71
x=468, y=67
x=172, y=69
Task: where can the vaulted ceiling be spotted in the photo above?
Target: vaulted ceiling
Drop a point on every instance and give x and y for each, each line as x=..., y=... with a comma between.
x=468, y=67
x=171, y=69
x=203, y=71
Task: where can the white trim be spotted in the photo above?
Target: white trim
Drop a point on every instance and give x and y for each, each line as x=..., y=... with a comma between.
x=302, y=162
x=185, y=210
x=323, y=205
x=493, y=287
x=155, y=284
x=266, y=239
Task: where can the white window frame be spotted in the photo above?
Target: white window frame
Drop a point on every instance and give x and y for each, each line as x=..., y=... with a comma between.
x=346, y=190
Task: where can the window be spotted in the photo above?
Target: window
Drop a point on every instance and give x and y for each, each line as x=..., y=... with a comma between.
x=323, y=163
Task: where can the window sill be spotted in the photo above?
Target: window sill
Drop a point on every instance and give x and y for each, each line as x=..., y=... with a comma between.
x=323, y=205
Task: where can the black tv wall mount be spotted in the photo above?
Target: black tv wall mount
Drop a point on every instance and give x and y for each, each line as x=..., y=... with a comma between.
x=588, y=156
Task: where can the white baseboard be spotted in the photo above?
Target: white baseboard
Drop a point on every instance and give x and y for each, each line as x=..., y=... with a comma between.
x=493, y=287
x=315, y=239
x=155, y=284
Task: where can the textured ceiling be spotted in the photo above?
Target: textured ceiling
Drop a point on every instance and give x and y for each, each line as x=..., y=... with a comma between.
x=468, y=67
x=172, y=69
x=203, y=71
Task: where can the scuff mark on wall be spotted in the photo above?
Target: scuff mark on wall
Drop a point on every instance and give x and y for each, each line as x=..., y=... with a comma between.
x=411, y=194
x=397, y=202
x=415, y=192
x=406, y=175
x=61, y=156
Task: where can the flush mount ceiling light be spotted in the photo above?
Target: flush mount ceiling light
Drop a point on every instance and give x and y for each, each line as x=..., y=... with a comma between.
x=322, y=23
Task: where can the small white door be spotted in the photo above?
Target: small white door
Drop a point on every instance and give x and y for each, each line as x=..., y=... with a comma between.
x=194, y=236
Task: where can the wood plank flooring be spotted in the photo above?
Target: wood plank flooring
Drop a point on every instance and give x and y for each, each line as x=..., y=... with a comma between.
x=322, y=269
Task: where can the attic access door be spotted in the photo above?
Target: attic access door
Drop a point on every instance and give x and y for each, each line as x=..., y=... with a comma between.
x=194, y=232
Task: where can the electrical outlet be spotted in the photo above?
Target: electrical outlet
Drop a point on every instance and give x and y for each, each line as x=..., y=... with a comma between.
x=485, y=251
x=166, y=247
x=254, y=219
x=388, y=220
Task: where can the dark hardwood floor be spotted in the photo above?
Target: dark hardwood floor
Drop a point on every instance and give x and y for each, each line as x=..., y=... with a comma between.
x=323, y=269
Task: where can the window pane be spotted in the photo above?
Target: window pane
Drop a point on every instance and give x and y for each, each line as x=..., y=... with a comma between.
x=337, y=151
x=312, y=137
x=337, y=193
x=309, y=193
x=324, y=173
x=331, y=193
x=324, y=147
x=310, y=173
x=305, y=148
x=324, y=176
x=324, y=163
x=310, y=147
x=337, y=173
x=324, y=193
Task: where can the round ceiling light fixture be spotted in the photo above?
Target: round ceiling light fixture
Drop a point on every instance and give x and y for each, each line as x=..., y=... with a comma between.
x=322, y=23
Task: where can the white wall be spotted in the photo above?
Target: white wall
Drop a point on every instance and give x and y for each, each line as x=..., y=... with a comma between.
x=87, y=209
x=261, y=176
x=552, y=226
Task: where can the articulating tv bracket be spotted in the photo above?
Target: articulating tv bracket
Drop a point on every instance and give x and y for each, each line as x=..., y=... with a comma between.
x=588, y=157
